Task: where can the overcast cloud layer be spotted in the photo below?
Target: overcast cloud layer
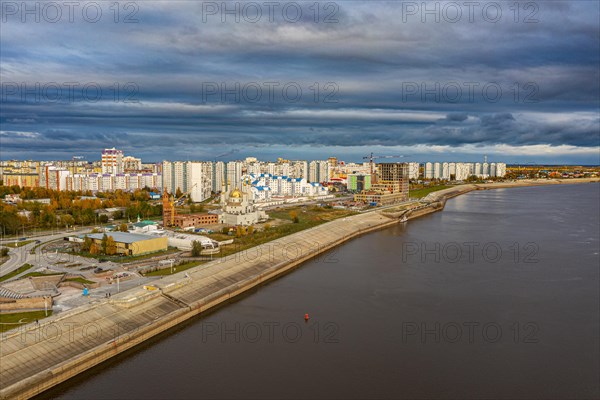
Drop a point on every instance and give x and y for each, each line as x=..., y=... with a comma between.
x=373, y=76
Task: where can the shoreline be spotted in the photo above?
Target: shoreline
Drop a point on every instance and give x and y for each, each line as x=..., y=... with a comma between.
x=39, y=357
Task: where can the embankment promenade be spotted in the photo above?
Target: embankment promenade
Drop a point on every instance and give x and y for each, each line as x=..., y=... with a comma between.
x=37, y=357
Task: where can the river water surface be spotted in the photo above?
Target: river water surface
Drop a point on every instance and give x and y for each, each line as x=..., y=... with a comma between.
x=495, y=297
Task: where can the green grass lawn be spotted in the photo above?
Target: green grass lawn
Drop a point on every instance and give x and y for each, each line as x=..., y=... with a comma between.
x=17, y=271
x=124, y=259
x=422, y=192
x=308, y=217
x=80, y=280
x=178, y=268
x=34, y=274
x=14, y=320
x=18, y=243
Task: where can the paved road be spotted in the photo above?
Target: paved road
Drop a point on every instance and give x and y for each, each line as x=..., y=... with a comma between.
x=21, y=255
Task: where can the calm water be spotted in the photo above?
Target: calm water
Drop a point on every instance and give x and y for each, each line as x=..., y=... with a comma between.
x=495, y=297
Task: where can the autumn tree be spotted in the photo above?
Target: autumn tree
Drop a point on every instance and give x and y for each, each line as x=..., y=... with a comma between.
x=94, y=249
x=111, y=246
x=104, y=243
x=67, y=219
x=294, y=217
x=250, y=230
x=87, y=244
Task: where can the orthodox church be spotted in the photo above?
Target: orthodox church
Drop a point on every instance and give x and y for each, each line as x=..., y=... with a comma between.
x=238, y=208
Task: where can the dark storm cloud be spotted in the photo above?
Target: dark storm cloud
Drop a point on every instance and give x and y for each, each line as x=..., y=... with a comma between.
x=395, y=80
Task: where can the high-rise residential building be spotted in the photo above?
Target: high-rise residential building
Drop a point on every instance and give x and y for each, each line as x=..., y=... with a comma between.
x=391, y=186
x=131, y=164
x=485, y=170
x=445, y=175
x=313, y=172
x=218, y=176
x=54, y=178
x=413, y=170
x=452, y=169
x=463, y=171
x=500, y=170
x=234, y=174
x=198, y=180
x=29, y=180
x=195, y=177
x=437, y=170
x=428, y=170
x=112, y=161
x=319, y=171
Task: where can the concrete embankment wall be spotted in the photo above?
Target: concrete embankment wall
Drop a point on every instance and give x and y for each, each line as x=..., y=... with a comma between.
x=37, y=358
x=28, y=303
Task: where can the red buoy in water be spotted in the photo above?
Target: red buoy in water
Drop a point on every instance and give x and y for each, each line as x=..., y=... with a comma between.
x=306, y=317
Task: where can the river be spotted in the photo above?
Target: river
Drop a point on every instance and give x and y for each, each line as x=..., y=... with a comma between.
x=497, y=296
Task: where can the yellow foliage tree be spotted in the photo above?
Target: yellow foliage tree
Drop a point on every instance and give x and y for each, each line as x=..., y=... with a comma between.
x=94, y=249
x=111, y=246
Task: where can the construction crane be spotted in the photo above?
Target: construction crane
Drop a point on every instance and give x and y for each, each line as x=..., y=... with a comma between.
x=372, y=157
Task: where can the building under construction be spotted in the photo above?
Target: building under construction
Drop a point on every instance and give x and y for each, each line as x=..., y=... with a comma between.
x=389, y=187
x=172, y=219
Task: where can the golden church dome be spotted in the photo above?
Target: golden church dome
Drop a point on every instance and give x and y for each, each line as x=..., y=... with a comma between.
x=236, y=194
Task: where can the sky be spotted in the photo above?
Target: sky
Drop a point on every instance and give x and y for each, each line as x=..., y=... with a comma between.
x=186, y=80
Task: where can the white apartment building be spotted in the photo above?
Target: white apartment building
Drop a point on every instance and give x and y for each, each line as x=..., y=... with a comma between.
x=463, y=171
x=195, y=177
x=428, y=170
x=445, y=175
x=264, y=186
x=319, y=171
x=500, y=170
x=112, y=161
x=437, y=170
x=233, y=174
x=218, y=176
x=413, y=170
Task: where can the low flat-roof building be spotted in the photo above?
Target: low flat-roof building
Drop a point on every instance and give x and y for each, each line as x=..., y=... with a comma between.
x=193, y=220
x=132, y=244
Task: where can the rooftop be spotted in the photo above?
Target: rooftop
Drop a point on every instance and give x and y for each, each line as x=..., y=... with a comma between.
x=122, y=237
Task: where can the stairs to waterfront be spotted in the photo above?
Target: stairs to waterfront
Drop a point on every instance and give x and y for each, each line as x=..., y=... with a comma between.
x=9, y=294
